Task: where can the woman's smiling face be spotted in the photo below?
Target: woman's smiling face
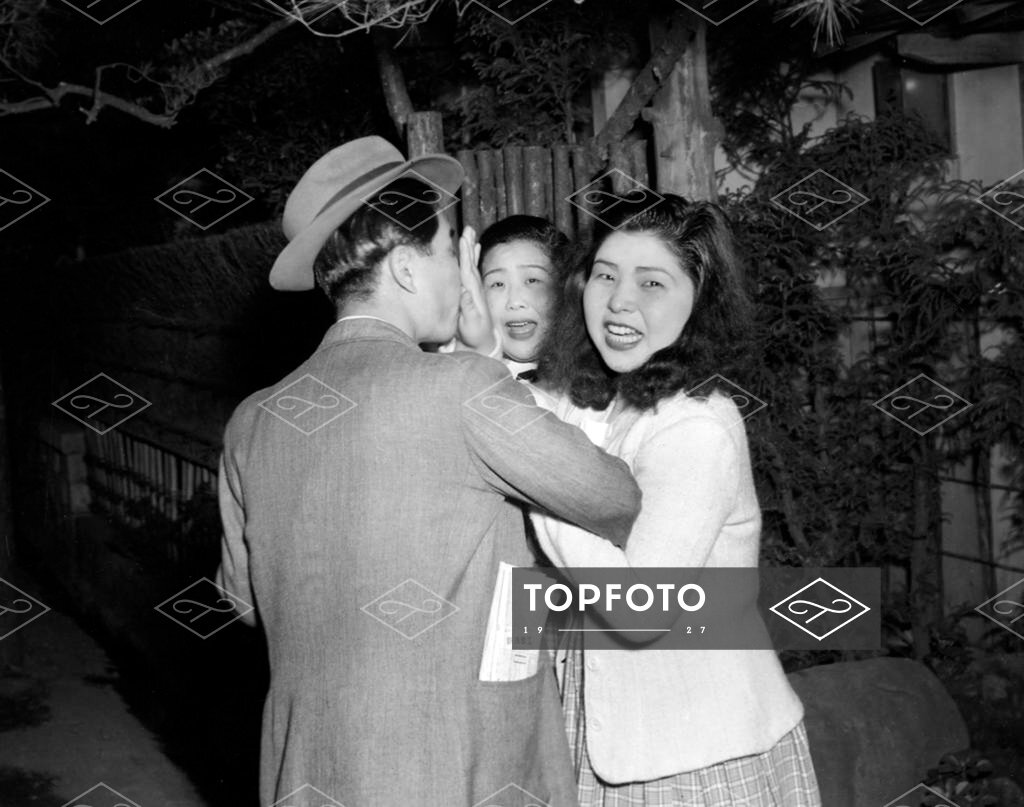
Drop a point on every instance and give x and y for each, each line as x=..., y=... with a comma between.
x=637, y=300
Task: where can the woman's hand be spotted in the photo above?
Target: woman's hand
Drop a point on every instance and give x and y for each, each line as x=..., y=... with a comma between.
x=475, y=329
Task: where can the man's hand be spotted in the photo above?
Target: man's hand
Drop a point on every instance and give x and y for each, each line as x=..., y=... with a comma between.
x=475, y=329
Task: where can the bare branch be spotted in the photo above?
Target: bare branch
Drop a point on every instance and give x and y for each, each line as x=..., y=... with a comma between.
x=185, y=89
x=101, y=99
x=647, y=82
x=245, y=48
x=357, y=15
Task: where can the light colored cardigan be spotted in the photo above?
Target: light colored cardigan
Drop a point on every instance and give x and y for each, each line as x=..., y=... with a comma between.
x=655, y=713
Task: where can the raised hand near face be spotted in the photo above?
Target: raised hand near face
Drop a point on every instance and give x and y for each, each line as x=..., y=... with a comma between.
x=475, y=329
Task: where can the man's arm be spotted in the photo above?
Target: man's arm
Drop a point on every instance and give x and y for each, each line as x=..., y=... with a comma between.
x=527, y=453
x=233, y=574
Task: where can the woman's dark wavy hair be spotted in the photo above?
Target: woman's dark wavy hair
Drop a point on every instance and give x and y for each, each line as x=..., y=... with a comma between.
x=700, y=235
x=541, y=232
x=346, y=267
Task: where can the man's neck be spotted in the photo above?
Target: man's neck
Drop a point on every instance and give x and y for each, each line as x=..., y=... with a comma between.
x=386, y=313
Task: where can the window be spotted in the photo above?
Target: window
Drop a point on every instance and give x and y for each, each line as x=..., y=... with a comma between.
x=915, y=92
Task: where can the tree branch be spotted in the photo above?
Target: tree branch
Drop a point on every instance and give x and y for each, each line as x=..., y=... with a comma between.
x=643, y=89
x=392, y=81
x=245, y=48
x=51, y=97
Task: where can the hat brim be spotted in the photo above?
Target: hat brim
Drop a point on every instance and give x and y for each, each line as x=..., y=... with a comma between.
x=293, y=269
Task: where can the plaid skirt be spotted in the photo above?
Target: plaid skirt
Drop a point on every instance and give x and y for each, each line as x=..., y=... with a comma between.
x=781, y=777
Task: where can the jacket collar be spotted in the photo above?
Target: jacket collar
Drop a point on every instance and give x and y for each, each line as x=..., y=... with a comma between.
x=347, y=329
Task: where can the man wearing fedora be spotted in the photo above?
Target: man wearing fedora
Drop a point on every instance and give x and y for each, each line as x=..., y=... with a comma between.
x=369, y=500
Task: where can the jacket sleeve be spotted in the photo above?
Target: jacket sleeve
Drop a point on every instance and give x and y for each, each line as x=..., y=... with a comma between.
x=689, y=475
x=233, y=574
x=523, y=451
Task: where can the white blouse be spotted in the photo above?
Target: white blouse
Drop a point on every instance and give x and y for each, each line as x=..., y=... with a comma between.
x=655, y=713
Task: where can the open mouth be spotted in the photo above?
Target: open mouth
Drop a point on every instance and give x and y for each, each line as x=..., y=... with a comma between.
x=521, y=328
x=621, y=336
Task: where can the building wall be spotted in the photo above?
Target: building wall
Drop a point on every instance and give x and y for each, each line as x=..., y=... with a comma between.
x=985, y=107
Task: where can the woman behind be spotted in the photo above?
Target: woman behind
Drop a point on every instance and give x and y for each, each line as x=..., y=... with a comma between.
x=522, y=269
x=656, y=311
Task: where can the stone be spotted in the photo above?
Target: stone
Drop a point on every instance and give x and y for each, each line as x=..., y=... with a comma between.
x=875, y=727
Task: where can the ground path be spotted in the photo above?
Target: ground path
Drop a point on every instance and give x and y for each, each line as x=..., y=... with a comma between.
x=64, y=728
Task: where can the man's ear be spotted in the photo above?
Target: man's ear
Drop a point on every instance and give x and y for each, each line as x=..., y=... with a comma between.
x=398, y=264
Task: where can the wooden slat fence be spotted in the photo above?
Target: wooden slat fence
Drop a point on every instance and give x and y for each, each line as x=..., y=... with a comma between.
x=539, y=181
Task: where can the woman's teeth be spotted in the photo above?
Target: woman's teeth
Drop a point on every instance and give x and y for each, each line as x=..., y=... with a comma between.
x=521, y=328
x=623, y=334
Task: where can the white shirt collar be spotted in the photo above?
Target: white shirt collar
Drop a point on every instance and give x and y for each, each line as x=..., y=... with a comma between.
x=363, y=316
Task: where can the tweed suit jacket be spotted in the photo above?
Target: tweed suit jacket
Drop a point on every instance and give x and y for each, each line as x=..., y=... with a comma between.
x=369, y=543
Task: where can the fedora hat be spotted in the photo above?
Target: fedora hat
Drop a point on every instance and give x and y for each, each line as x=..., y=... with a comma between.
x=333, y=188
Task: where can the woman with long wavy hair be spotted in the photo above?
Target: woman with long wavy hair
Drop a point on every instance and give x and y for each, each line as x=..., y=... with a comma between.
x=650, y=320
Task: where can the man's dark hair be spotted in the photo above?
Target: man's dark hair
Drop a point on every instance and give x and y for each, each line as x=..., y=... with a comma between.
x=346, y=267
x=701, y=237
